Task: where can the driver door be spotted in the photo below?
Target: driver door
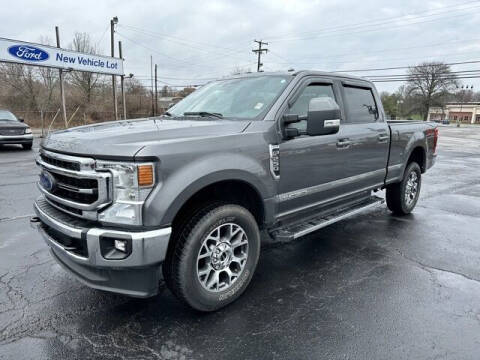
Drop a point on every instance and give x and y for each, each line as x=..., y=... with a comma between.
x=313, y=168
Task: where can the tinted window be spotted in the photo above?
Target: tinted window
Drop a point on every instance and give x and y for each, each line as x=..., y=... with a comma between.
x=360, y=105
x=300, y=107
x=241, y=98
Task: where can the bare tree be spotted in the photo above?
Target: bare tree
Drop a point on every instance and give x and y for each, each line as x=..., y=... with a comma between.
x=49, y=79
x=22, y=80
x=85, y=81
x=430, y=83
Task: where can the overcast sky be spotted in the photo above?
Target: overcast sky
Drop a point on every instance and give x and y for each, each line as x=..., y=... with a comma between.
x=193, y=40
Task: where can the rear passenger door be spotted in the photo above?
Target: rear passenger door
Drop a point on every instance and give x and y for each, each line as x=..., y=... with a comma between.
x=367, y=134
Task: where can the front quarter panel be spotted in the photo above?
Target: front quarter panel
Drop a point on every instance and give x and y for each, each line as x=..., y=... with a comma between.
x=187, y=167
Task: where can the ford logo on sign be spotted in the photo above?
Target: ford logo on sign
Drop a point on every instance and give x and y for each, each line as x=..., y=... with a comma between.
x=47, y=181
x=28, y=53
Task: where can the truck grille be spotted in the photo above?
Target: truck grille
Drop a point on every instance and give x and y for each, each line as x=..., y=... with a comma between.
x=84, y=191
x=73, y=185
x=12, y=131
x=61, y=163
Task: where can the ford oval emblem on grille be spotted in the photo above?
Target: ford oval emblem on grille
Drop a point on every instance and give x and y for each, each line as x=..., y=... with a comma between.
x=47, y=181
x=28, y=53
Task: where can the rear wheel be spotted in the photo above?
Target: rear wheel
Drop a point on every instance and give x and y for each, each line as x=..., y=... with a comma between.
x=214, y=258
x=403, y=196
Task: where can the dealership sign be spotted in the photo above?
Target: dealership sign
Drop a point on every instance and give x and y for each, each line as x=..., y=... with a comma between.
x=35, y=54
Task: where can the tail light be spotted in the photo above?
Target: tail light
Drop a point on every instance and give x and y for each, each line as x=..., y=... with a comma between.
x=433, y=132
x=435, y=140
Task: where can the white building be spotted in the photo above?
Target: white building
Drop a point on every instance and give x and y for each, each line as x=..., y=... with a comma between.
x=468, y=112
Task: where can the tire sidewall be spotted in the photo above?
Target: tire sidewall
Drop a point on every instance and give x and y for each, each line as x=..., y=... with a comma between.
x=412, y=167
x=196, y=295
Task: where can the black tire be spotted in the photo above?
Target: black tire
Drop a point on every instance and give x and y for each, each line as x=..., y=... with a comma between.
x=396, y=193
x=180, y=267
x=27, y=146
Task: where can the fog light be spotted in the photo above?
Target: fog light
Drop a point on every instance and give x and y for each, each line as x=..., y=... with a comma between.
x=121, y=245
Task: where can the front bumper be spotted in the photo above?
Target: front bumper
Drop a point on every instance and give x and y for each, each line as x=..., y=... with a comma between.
x=16, y=139
x=136, y=275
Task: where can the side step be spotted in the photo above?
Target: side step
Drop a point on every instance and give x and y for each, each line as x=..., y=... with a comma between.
x=314, y=223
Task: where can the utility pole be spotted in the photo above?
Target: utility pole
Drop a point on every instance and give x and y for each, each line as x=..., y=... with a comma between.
x=62, y=90
x=114, y=82
x=122, y=83
x=151, y=84
x=156, y=92
x=259, y=52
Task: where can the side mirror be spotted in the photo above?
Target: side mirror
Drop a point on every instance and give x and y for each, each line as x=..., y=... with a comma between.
x=323, y=116
x=21, y=119
x=287, y=132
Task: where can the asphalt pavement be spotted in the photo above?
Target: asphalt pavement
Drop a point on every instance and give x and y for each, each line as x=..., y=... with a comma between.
x=371, y=287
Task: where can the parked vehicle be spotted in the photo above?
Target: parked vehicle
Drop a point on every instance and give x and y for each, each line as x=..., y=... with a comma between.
x=187, y=193
x=14, y=131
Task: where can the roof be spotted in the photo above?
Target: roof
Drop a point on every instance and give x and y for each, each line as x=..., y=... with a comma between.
x=300, y=72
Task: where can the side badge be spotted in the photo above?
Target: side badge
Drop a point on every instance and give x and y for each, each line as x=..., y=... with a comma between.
x=275, y=161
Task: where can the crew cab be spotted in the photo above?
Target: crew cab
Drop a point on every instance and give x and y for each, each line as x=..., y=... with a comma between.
x=184, y=196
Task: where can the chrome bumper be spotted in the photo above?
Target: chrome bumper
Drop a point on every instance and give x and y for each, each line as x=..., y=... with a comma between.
x=16, y=139
x=135, y=275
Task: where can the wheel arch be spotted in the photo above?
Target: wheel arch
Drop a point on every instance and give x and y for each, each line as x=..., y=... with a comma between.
x=419, y=155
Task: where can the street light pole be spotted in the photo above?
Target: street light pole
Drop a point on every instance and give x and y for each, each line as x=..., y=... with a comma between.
x=399, y=102
x=114, y=82
x=461, y=91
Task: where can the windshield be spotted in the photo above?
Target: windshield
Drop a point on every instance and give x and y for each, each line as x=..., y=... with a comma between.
x=243, y=98
x=7, y=116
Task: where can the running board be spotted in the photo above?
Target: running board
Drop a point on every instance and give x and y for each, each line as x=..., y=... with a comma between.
x=315, y=223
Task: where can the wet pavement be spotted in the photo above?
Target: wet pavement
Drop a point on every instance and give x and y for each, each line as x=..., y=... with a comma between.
x=371, y=287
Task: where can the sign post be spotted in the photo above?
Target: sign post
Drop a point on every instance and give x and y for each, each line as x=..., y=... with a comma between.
x=62, y=90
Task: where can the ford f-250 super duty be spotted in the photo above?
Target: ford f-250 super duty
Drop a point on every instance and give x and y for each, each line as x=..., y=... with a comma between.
x=187, y=193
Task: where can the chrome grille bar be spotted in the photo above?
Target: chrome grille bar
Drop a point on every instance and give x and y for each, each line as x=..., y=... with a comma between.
x=82, y=192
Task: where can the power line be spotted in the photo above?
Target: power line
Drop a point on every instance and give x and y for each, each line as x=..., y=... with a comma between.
x=178, y=39
x=156, y=51
x=407, y=67
x=442, y=78
x=373, y=21
x=187, y=43
x=464, y=72
x=374, y=52
x=347, y=29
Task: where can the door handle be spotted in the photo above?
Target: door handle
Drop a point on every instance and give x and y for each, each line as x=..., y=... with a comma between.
x=343, y=143
x=383, y=137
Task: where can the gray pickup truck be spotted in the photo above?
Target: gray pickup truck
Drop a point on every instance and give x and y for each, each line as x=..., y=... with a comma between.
x=184, y=196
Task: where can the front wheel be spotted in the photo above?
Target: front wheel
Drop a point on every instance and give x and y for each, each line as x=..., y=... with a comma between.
x=403, y=196
x=27, y=146
x=215, y=256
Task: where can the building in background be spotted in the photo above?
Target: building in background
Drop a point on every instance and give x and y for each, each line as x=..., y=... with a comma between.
x=467, y=112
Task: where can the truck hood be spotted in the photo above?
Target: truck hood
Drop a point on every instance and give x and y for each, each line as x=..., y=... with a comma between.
x=4, y=124
x=125, y=138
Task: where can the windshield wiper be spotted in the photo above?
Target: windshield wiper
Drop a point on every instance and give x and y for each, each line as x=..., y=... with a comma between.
x=166, y=113
x=203, y=114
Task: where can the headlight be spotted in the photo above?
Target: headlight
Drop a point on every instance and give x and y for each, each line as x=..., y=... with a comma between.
x=28, y=131
x=131, y=184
